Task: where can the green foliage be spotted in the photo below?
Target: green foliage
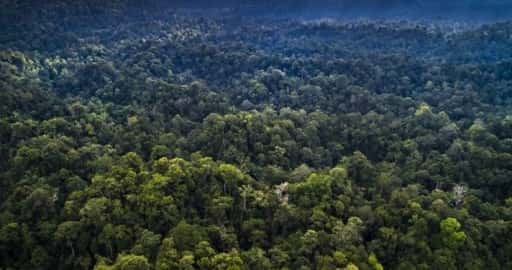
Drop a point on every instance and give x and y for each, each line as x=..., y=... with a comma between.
x=374, y=262
x=186, y=236
x=229, y=261
x=130, y=262
x=179, y=141
x=451, y=235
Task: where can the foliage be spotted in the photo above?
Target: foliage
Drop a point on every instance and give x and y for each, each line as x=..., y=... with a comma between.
x=184, y=141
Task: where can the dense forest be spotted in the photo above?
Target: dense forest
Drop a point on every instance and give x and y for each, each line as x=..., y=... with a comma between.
x=175, y=139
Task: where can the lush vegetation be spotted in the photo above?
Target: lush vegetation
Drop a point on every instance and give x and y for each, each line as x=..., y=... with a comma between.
x=181, y=141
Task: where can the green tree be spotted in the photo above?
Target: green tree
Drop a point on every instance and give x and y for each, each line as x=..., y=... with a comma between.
x=131, y=262
x=168, y=256
x=451, y=235
x=227, y=261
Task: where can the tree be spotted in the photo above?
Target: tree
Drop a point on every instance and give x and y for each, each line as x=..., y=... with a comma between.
x=451, y=235
x=186, y=236
x=348, y=234
x=227, y=261
x=315, y=190
x=231, y=176
x=359, y=168
x=147, y=244
x=255, y=258
x=95, y=212
x=131, y=262
x=309, y=242
x=374, y=262
x=68, y=232
x=204, y=253
x=351, y=266
x=168, y=256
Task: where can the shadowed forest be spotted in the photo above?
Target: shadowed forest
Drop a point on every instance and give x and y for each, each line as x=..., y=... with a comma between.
x=240, y=136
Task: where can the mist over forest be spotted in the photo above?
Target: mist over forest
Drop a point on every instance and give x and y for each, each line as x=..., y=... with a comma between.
x=406, y=9
x=250, y=135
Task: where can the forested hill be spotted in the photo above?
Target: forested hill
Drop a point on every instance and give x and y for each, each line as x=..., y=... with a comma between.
x=189, y=139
